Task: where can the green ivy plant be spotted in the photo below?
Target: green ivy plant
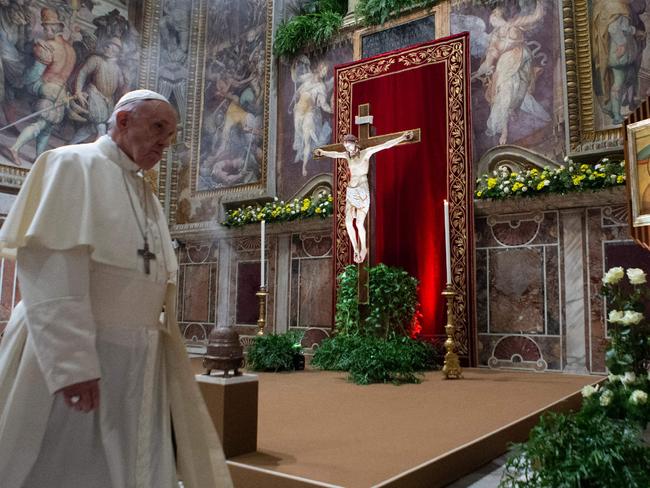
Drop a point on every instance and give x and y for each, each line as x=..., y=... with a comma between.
x=313, y=23
x=393, y=302
x=376, y=12
x=370, y=359
x=579, y=450
x=274, y=352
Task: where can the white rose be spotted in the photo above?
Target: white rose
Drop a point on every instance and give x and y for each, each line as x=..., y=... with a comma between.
x=636, y=276
x=614, y=275
x=631, y=318
x=613, y=378
x=638, y=397
x=616, y=316
x=606, y=398
x=628, y=378
x=589, y=390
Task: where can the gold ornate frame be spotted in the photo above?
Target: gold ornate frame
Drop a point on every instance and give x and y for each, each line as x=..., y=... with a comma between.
x=441, y=19
x=583, y=134
x=454, y=54
x=634, y=132
x=196, y=92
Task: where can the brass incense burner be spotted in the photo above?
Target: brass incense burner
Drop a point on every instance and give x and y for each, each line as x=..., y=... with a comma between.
x=224, y=352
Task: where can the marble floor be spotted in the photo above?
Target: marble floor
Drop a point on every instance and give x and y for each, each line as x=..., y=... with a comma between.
x=487, y=476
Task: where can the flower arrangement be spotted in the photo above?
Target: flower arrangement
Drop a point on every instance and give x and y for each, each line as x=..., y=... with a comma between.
x=625, y=392
x=281, y=211
x=570, y=177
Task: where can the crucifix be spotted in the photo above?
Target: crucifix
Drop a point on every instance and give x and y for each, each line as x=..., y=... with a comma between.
x=147, y=256
x=357, y=153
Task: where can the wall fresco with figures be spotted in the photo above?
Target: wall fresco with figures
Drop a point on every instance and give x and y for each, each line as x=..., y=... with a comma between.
x=63, y=66
x=234, y=91
x=305, y=115
x=517, y=95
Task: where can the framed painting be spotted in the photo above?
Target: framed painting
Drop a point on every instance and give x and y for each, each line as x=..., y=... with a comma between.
x=608, y=68
x=228, y=112
x=64, y=65
x=638, y=159
x=415, y=28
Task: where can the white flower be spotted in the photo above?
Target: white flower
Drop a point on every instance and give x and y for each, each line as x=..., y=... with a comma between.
x=636, y=276
x=613, y=378
x=506, y=190
x=614, y=275
x=525, y=188
x=638, y=397
x=566, y=159
x=632, y=318
x=605, y=160
x=616, y=316
x=547, y=182
x=589, y=390
x=628, y=378
x=606, y=398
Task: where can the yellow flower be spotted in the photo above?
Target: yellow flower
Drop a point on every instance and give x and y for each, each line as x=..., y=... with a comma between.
x=479, y=193
x=620, y=179
x=577, y=179
x=584, y=167
x=517, y=186
x=492, y=182
x=329, y=198
x=540, y=185
x=318, y=210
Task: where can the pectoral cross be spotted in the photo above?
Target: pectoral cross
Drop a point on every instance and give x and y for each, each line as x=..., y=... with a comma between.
x=147, y=256
x=364, y=121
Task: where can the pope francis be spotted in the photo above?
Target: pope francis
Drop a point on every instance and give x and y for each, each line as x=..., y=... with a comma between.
x=93, y=384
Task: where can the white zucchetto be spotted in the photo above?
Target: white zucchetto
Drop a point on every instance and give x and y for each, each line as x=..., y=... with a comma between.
x=136, y=95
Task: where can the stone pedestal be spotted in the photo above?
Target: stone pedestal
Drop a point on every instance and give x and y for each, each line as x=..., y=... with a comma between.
x=232, y=404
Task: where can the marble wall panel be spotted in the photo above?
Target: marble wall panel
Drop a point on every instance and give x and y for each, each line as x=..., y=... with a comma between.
x=196, y=293
x=247, y=310
x=516, y=295
x=311, y=280
x=552, y=291
x=315, y=295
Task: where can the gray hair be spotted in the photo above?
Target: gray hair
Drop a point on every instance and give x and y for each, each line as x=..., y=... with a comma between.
x=127, y=107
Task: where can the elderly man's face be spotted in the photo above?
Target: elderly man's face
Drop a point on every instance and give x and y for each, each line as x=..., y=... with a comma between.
x=147, y=131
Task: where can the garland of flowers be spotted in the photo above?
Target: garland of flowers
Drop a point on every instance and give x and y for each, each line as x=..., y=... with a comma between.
x=281, y=211
x=570, y=177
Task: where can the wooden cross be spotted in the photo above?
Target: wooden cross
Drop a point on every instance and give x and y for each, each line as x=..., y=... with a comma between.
x=364, y=121
x=147, y=256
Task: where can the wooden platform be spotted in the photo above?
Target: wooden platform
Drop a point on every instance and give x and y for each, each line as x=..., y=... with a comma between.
x=317, y=429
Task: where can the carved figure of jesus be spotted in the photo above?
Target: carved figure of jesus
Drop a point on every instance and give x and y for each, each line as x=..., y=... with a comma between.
x=357, y=196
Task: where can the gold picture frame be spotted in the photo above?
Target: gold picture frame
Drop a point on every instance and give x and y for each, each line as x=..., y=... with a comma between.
x=638, y=159
x=591, y=128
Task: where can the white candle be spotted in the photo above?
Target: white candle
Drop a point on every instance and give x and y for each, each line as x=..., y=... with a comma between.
x=447, y=244
x=262, y=281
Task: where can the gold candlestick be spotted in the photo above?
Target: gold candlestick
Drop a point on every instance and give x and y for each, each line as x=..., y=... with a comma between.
x=451, y=369
x=261, y=321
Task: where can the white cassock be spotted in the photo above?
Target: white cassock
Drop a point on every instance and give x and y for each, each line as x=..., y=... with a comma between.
x=89, y=311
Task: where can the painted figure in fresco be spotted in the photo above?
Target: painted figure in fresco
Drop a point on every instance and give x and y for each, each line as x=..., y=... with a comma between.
x=54, y=61
x=508, y=72
x=15, y=43
x=357, y=195
x=310, y=103
x=619, y=38
x=174, y=43
x=100, y=82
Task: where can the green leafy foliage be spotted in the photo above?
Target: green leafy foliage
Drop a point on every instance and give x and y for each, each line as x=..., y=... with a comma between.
x=580, y=450
x=314, y=23
x=375, y=12
x=368, y=359
x=274, y=352
x=319, y=205
x=393, y=302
